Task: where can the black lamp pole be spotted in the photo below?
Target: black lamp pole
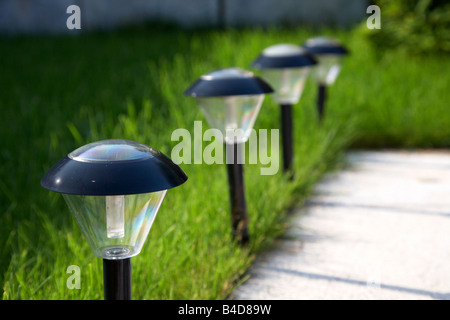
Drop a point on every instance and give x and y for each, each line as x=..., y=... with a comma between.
x=286, y=136
x=117, y=279
x=321, y=99
x=238, y=205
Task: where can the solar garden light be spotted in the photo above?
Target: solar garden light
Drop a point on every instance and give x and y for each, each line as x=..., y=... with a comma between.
x=329, y=54
x=114, y=189
x=285, y=67
x=230, y=100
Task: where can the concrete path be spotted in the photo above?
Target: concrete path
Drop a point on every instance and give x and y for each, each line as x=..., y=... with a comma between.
x=379, y=229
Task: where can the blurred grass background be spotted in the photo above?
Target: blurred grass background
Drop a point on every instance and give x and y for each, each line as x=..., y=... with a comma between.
x=61, y=92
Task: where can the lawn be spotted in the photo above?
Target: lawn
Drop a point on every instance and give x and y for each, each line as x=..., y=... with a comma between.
x=61, y=92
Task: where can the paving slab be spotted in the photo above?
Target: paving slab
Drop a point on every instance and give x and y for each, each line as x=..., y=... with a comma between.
x=377, y=230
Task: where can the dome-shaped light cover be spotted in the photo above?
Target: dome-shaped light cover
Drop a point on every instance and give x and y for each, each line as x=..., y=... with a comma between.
x=115, y=222
x=285, y=67
x=329, y=54
x=230, y=99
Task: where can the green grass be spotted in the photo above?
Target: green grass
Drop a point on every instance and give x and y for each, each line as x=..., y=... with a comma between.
x=58, y=93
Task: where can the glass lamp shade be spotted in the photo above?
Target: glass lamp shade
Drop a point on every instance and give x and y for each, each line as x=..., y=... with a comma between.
x=327, y=70
x=287, y=83
x=115, y=227
x=114, y=189
x=234, y=116
x=329, y=54
x=230, y=99
x=285, y=67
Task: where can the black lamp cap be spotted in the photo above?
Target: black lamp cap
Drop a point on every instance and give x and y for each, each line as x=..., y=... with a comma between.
x=284, y=56
x=228, y=82
x=113, y=167
x=322, y=45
